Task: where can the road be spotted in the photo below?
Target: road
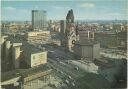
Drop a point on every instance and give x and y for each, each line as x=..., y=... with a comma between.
x=58, y=59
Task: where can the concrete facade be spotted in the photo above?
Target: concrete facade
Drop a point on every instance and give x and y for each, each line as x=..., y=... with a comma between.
x=90, y=51
x=2, y=43
x=85, y=35
x=10, y=54
x=43, y=36
x=16, y=52
x=7, y=49
x=34, y=56
x=38, y=58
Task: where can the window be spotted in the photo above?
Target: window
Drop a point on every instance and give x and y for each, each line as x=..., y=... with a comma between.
x=33, y=57
x=73, y=42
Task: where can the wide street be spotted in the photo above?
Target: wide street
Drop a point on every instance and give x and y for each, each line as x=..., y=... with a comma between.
x=60, y=60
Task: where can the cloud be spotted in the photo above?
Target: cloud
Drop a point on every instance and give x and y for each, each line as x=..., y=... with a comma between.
x=57, y=7
x=114, y=14
x=36, y=7
x=61, y=7
x=87, y=5
x=15, y=14
x=10, y=8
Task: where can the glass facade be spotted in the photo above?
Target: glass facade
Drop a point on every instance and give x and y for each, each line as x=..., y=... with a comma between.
x=39, y=19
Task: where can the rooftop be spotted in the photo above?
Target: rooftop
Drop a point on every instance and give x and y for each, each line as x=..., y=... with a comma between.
x=23, y=72
x=17, y=44
x=31, y=48
x=92, y=81
x=38, y=32
x=39, y=11
x=91, y=43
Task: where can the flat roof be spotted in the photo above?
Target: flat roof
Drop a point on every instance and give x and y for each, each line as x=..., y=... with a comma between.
x=38, y=11
x=30, y=48
x=91, y=43
x=4, y=36
x=17, y=44
x=92, y=81
x=24, y=72
x=25, y=46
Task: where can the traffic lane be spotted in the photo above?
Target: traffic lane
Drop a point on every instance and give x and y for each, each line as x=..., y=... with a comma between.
x=58, y=51
x=61, y=55
x=66, y=69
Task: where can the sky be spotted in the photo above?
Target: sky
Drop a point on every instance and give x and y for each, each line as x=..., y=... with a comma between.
x=57, y=10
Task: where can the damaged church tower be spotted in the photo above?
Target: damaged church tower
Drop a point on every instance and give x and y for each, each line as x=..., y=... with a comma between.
x=69, y=32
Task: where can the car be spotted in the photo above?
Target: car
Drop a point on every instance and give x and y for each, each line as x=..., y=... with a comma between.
x=67, y=81
x=73, y=84
x=76, y=68
x=61, y=72
x=69, y=77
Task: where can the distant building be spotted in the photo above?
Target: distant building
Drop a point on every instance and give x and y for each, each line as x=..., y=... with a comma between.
x=39, y=19
x=63, y=26
x=89, y=50
x=62, y=30
x=38, y=37
x=118, y=27
x=85, y=35
x=56, y=42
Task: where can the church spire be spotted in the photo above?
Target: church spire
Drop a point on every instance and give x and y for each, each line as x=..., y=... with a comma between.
x=70, y=16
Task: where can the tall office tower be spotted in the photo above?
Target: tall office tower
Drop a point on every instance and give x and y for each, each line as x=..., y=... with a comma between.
x=39, y=19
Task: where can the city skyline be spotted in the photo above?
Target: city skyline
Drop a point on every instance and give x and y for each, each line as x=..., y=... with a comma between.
x=64, y=45
x=83, y=10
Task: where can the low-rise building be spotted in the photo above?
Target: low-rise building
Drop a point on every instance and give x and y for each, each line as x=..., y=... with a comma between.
x=11, y=54
x=22, y=78
x=90, y=50
x=85, y=35
x=34, y=56
x=14, y=53
x=38, y=36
